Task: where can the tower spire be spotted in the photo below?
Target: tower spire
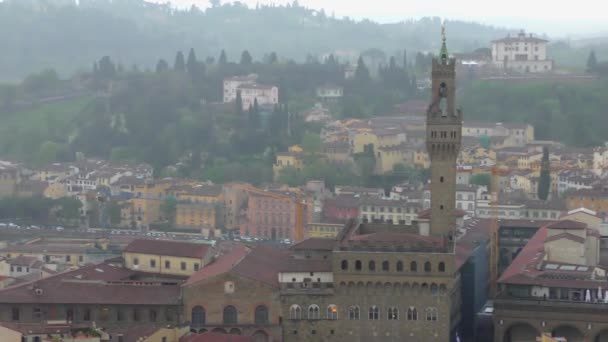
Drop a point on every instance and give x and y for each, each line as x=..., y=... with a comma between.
x=443, y=54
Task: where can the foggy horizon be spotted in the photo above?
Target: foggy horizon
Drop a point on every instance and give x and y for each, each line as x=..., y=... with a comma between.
x=565, y=21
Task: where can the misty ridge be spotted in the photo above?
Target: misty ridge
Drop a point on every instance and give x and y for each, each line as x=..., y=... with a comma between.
x=67, y=37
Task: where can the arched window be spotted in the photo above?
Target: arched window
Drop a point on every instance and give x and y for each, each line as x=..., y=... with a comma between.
x=427, y=266
x=295, y=312
x=358, y=265
x=261, y=314
x=399, y=266
x=371, y=265
x=344, y=265
x=374, y=313
x=393, y=313
x=412, y=314
x=413, y=266
x=441, y=267
x=314, y=312
x=385, y=266
x=434, y=289
x=354, y=313
x=431, y=314
x=332, y=312
x=198, y=316
x=230, y=315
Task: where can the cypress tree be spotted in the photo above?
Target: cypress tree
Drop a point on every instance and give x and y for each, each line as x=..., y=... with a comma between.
x=191, y=63
x=223, y=59
x=180, y=64
x=544, y=182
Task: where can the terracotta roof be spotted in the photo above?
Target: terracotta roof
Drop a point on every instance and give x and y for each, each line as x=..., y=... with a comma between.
x=211, y=337
x=397, y=237
x=261, y=264
x=95, y=284
x=224, y=263
x=315, y=244
x=567, y=224
x=343, y=201
x=22, y=261
x=525, y=270
x=522, y=223
x=567, y=236
x=169, y=248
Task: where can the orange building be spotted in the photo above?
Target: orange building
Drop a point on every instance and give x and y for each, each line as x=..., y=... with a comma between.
x=594, y=199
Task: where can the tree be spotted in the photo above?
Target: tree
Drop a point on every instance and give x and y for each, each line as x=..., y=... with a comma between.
x=168, y=208
x=273, y=58
x=246, y=58
x=107, y=69
x=591, y=62
x=311, y=142
x=162, y=66
x=404, y=59
x=180, y=64
x=191, y=63
x=223, y=60
x=544, y=182
x=483, y=179
x=362, y=75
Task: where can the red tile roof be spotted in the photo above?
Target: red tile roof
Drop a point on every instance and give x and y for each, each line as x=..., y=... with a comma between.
x=261, y=264
x=315, y=244
x=525, y=270
x=95, y=284
x=211, y=337
x=169, y=248
x=224, y=263
x=568, y=224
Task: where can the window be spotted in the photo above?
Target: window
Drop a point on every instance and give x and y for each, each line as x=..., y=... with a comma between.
x=135, y=315
x=167, y=264
x=230, y=315
x=413, y=266
x=119, y=315
x=169, y=315
x=434, y=289
x=68, y=258
x=313, y=312
x=344, y=265
x=86, y=315
x=441, y=267
x=358, y=265
x=80, y=258
x=183, y=266
x=412, y=314
x=196, y=267
x=427, y=266
x=374, y=313
x=385, y=266
x=152, y=263
x=371, y=265
x=198, y=316
x=261, y=314
x=441, y=179
x=37, y=313
x=15, y=314
x=431, y=314
x=393, y=313
x=152, y=315
x=332, y=312
x=399, y=266
x=353, y=313
x=135, y=262
x=295, y=312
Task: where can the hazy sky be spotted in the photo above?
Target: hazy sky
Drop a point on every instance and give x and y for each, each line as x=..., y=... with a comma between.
x=554, y=17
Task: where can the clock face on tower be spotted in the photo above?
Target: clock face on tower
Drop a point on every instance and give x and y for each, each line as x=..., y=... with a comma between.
x=229, y=287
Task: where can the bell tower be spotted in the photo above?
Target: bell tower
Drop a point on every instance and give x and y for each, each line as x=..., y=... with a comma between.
x=443, y=140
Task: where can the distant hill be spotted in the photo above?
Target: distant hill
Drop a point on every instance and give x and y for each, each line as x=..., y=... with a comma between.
x=38, y=34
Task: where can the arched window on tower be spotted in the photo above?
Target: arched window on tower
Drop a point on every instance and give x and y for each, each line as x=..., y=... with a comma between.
x=261, y=314
x=230, y=315
x=443, y=94
x=399, y=266
x=198, y=316
x=295, y=312
x=371, y=265
x=413, y=266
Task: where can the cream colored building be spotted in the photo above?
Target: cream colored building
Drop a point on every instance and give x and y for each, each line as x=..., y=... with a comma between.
x=167, y=257
x=522, y=53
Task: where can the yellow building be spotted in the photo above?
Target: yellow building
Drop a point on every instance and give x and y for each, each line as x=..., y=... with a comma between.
x=55, y=191
x=293, y=158
x=65, y=255
x=146, y=210
x=421, y=159
x=9, y=180
x=167, y=257
x=389, y=156
x=197, y=215
x=323, y=230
